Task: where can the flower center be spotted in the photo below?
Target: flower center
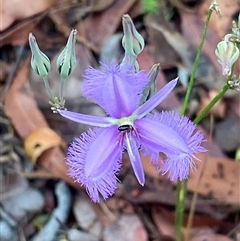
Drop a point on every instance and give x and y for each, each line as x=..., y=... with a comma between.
x=126, y=127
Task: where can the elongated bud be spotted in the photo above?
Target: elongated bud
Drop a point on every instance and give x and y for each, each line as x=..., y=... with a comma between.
x=132, y=41
x=227, y=53
x=150, y=89
x=66, y=61
x=40, y=63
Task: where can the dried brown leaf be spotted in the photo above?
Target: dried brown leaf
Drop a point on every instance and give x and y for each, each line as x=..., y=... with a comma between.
x=164, y=224
x=126, y=228
x=220, y=25
x=192, y=28
x=146, y=62
x=98, y=27
x=21, y=107
x=208, y=235
x=219, y=178
x=12, y=11
x=218, y=110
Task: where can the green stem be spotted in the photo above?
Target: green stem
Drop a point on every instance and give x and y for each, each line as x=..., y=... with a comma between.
x=195, y=65
x=181, y=195
x=47, y=87
x=196, y=121
x=204, y=112
x=61, y=90
x=182, y=185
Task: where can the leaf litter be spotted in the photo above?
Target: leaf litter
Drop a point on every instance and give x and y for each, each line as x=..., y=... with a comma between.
x=134, y=213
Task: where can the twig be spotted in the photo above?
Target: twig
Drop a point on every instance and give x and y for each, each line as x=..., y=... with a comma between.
x=59, y=215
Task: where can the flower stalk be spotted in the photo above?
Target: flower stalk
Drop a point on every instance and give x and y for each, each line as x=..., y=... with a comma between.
x=227, y=53
x=182, y=185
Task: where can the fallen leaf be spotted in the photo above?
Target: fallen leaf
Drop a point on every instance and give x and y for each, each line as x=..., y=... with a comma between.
x=165, y=226
x=192, y=27
x=146, y=62
x=98, y=27
x=21, y=107
x=165, y=218
x=222, y=24
x=12, y=11
x=125, y=228
x=208, y=235
x=218, y=110
x=219, y=180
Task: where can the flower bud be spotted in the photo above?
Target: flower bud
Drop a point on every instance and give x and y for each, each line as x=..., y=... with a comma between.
x=40, y=63
x=66, y=61
x=150, y=88
x=132, y=41
x=227, y=53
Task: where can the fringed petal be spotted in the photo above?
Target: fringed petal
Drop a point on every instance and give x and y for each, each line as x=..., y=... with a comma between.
x=117, y=90
x=94, y=159
x=173, y=135
x=178, y=166
x=160, y=136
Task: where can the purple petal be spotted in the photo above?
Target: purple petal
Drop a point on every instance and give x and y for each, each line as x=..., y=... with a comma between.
x=135, y=158
x=115, y=89
x=94, y=159
x=161, y=136
x=87, y=119
x=173, y=135
x=184, y=127
x=178, y=166
x=155, y=100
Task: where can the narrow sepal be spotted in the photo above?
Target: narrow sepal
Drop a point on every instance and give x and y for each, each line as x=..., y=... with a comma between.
x=155, y=100
x=134, y=156
x=151, y=88
x=87, y=119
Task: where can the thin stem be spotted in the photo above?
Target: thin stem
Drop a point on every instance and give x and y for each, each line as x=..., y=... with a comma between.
x=47, y=87
x=182, y=186
x=193, y=203
x=204, y=112
x=195, y=194
x=61, y=90
x=196, y=62
x=196, y=121
x=181, y=195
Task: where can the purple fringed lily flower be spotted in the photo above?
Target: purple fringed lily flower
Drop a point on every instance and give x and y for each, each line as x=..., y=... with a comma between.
x=95, y=157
